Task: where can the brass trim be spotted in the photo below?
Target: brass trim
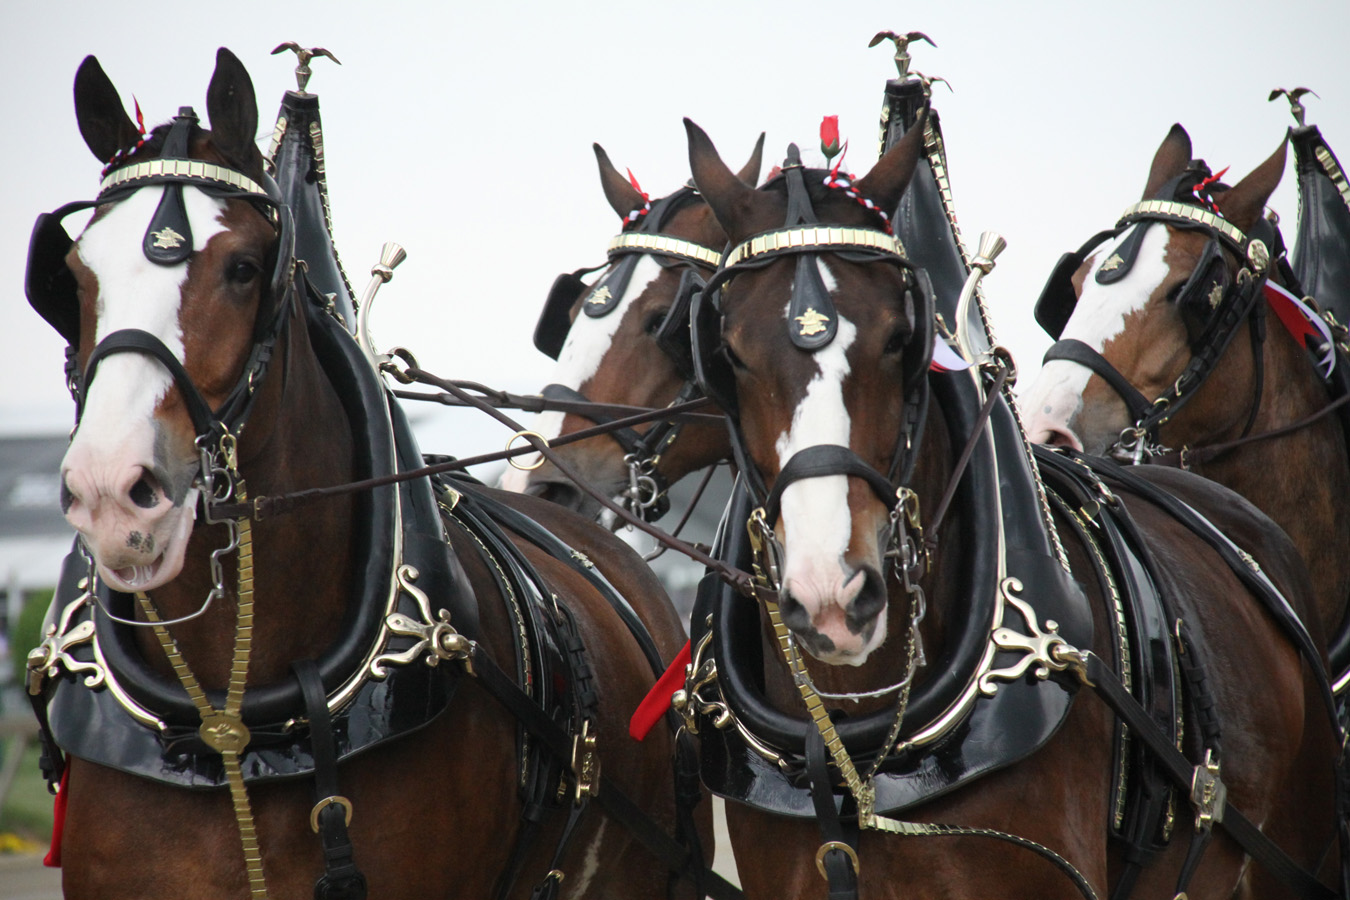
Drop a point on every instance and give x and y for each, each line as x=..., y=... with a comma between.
x=664, y=245
x=1333, y=171
x=1166, y=209
x=814, y=239
x=180, y=168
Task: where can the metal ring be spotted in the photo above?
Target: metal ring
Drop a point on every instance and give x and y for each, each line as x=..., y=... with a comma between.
x=835, y=845
x=512, y=459
x=326, y=802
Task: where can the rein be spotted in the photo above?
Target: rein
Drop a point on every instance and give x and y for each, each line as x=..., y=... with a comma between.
x=1187, y=457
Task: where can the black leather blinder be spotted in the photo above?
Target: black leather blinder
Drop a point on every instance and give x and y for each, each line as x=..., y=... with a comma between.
x=1058, y=298
x=48, y=281
x=550, y=332
x=674, y=335
x=1202, y=296
x=712, y=366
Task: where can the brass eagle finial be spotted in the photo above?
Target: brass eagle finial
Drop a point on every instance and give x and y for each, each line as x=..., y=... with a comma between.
x=302, y=71
x=902, y=41
x=1295, y=106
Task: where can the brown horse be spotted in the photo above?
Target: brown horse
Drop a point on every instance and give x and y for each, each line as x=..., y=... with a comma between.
x=1155, y=323
x=611, y=340
x=815, y=332
x=188, y=323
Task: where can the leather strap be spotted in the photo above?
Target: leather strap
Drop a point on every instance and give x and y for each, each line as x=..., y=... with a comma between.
x=341, y=879
x=838, y=864
x=1076, y=351
x=1239, y=827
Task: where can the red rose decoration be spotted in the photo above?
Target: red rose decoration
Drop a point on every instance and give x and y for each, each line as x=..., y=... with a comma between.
x=829, y=137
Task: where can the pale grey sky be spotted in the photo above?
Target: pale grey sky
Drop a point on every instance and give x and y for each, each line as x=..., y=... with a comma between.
x=464, y=131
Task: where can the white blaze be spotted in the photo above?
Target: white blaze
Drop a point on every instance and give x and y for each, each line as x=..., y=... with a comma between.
x=133, y=292
x=587, y=343
x=815, y=511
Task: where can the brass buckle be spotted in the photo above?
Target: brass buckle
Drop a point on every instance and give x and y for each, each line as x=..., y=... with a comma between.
x=586, y=775
x=326, y=802
x=835, y=845
x=1208, y=793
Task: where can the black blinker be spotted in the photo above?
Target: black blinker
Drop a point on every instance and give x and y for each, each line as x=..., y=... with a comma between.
x=48, y=281
x=712, y=369
x=673, y=337
x=550, y=332
x=1058, y=298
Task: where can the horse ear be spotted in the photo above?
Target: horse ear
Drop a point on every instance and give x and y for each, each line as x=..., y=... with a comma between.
x=622, y=196
x=1172, y=158
x=749, y=173
x=890, y=176
x=1243, y=204
x=104, y=124
x=729, y=196
x=233, y=111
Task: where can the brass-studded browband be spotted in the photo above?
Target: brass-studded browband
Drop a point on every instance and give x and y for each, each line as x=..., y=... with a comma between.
x=814, y=238
x=1186, y=214
x=664, y=245
x=181, y=171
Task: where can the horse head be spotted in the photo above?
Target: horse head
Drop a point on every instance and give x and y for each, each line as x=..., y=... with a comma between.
x=624, y=340
x=1143, y=314
x=172, y=299
x=817, y=351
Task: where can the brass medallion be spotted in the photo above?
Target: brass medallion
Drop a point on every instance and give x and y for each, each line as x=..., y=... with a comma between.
x=167, y=239
x=1113, y=263
x=811, y=322
x=600, y=296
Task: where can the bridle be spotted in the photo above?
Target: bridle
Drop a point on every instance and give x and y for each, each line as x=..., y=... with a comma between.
x=168, y=241
x=812, y=311
x=646, y=494
x=1214, y=301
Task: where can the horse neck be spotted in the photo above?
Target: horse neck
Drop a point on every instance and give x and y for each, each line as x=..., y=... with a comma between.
x=297, y=437
x=1298, y=479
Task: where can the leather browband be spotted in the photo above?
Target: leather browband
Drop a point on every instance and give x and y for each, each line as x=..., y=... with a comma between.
x=813, y=238
x=179, y=169
x=1185, y=214
x=664, y=245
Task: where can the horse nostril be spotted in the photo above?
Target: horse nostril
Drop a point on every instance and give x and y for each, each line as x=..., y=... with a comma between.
x=794, y=614
x=869, y=602
x=143, y=493
x=67, y=498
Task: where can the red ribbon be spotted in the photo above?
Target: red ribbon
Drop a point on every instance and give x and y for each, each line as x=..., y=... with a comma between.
x=657, y=701
x=53, y=857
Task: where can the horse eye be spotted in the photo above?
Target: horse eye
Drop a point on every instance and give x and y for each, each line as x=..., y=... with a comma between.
x=1174, y=294
x=899, y=340
x=242, y=272
x=653, y=323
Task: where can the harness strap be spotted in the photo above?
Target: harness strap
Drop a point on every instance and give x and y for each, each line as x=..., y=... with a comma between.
x=611, y=798
x=1072, y=350
x=1261, y=848
x=836, y=862
x=341, y=879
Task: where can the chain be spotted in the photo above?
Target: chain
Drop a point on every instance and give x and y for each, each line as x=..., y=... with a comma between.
x=223, y=729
